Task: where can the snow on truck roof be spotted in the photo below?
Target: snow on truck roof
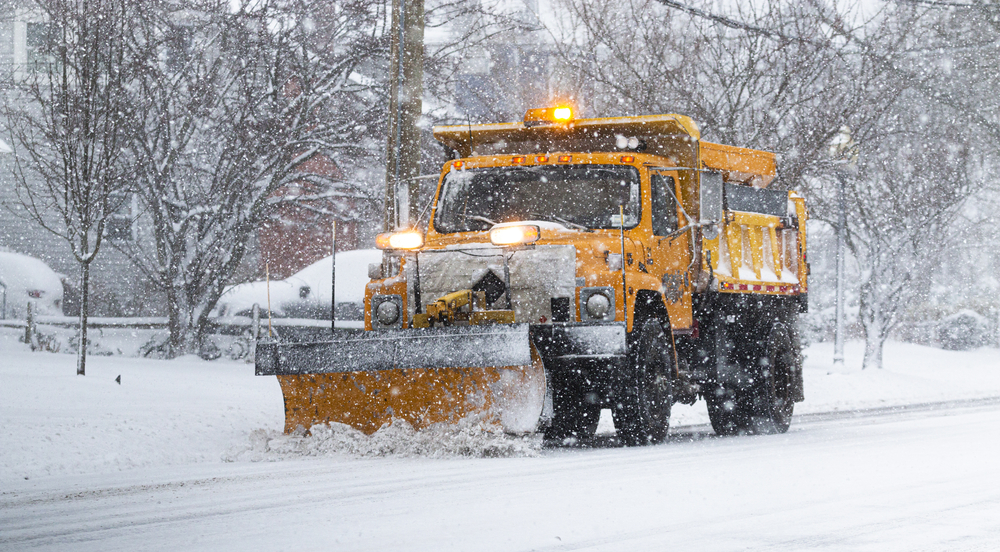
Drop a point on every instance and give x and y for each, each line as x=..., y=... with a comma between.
x=670, y=135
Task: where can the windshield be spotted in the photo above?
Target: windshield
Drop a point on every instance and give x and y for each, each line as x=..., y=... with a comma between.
x=581, y=196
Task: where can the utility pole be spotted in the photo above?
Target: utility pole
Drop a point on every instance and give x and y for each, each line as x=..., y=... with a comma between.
x=403, y=149
x=838, y=339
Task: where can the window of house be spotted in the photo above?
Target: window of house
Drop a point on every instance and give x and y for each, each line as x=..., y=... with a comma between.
x=179, y=42
x=6, y=40
x=120, y=226
x=40, y=39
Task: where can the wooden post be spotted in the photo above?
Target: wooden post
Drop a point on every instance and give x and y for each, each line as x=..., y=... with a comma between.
x=255, y=321
x=29, y=321
x=333, y=279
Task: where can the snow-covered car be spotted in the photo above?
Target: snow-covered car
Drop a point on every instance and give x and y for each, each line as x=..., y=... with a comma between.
x=306, y=294
x=25, y=279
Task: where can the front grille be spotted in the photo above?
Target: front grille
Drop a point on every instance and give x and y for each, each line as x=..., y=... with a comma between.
x=537, y=275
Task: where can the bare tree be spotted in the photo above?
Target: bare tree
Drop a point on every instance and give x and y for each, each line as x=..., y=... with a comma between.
x=69, y=116
x=911, y=183
x=786, y=77
x=777, y=80
x=232, y=105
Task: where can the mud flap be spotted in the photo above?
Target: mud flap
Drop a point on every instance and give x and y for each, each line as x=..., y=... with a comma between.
x=422, y=376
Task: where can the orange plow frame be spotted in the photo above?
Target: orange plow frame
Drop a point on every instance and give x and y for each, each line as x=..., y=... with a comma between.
x=369, y=379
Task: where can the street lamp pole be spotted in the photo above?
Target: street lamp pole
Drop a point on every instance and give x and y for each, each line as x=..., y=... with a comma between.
x=838, y=339
x=844, y=152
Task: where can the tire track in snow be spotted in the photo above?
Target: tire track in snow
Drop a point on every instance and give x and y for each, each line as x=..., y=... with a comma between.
x=47, y=518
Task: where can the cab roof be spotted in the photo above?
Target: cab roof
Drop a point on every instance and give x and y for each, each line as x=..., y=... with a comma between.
x=675, y=137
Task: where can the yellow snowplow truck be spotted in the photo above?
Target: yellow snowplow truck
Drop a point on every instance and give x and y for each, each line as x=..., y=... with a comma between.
x=571, y=265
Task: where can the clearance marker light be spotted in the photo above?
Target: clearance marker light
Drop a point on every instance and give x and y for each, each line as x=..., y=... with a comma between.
x=542, y=159
x=565, y=158
x=458, y=164
x=517, y=159
x=628, y=159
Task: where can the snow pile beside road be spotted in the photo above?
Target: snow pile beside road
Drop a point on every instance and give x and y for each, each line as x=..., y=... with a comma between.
x=164, y=413
x=469, y=438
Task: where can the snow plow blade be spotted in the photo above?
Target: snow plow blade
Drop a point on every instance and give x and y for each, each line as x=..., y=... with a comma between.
x=423, y=376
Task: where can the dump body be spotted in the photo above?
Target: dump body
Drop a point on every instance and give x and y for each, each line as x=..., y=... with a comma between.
x=619, y=224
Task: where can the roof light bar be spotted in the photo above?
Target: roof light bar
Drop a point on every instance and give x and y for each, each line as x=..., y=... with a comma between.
x=560, y=114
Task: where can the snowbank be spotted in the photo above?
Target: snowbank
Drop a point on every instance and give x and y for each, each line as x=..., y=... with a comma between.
x=163, y=412
x=192, y=411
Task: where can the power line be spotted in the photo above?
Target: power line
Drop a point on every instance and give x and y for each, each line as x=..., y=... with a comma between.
x=868, y=50
x=943, y=4
x=731, y=23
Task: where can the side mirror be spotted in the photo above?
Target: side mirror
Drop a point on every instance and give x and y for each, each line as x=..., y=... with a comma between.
x=710, y=210
x=375, y=271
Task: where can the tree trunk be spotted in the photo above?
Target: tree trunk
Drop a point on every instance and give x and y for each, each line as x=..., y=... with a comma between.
x=873, y=349
x=187, y=329
x=81, y=352
x=176, y=345
x=875, y=325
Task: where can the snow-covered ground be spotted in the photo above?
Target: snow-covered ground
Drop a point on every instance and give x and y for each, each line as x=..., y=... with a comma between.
x=192, y=411
x=188, y=454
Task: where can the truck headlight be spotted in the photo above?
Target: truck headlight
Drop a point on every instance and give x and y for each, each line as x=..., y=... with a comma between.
x=387, y=312
x=405, y=239
x=386, y=309
x=598, y=303
x=514, y=234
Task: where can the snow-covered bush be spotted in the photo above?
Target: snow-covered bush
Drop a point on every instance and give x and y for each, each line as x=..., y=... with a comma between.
x=966, y=329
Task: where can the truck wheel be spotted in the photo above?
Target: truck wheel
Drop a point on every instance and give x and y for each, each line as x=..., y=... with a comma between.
x=765, y=405
x=573, y=419
x=725, y=411
x=642, y=412
x=771, y=410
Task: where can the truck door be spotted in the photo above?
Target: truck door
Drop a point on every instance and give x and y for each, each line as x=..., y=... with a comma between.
x=669, y=251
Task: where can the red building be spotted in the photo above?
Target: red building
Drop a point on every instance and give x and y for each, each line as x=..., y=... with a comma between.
x=297, y=232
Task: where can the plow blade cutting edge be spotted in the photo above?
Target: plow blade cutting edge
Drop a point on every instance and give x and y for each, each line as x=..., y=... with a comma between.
x=424, y=376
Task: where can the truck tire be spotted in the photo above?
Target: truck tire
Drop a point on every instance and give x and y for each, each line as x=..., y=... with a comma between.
x=764, y=405
x=771, y=410
x=573, y=418
x=643, y=400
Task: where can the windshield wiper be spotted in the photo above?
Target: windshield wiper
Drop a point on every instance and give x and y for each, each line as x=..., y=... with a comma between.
x=478, y=218
x=560, y=220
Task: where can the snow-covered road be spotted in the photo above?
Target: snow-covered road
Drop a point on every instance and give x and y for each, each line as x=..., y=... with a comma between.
x=188, y=455
x=919, y=479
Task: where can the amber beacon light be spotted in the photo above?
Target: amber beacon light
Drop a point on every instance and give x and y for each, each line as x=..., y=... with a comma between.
x=543, y=115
